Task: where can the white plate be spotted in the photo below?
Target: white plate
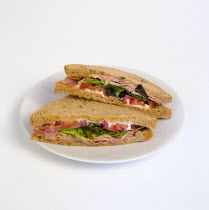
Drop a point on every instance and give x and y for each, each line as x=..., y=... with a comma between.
x=165, y=132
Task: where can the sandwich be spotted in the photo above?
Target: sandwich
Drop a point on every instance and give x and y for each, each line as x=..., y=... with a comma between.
x=114, y=86
x=81, y=122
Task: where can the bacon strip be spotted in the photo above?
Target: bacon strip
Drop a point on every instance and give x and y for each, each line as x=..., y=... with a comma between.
x=69, y=82
x=51, y=131
x=114, y=127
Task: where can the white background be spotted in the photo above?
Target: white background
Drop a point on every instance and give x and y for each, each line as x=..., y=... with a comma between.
x=169, y=39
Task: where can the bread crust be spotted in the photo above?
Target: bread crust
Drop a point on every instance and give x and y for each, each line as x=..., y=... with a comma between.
x=158, y=112
x=77, y=71
x=145, y=135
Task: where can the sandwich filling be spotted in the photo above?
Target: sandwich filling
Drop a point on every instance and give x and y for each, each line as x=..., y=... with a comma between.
x=121, y=89
x=88, y=132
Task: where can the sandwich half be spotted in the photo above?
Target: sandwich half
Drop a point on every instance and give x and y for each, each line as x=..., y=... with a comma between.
x=81, y=122
x=113, y=86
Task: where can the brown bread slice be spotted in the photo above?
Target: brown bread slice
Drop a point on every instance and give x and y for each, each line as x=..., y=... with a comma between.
x=159, y=112
x=77, y=71
x=74, y=108
x=143, y=136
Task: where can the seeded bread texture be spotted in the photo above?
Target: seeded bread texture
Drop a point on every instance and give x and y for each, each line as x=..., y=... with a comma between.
x=158, y=112
x=143, y=136
x=77, y=71
x=74, y=108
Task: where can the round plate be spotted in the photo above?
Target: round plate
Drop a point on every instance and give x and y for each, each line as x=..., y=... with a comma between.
x=165, y=132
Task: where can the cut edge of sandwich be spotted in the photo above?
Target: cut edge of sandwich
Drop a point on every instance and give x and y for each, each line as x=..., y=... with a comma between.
x=78, y=71
x=96, y=123
x=144, y=135
x=159, y=112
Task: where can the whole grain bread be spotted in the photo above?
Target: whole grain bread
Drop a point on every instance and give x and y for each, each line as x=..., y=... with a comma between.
x=143, y=136
x=158, y=112
x=74, y=108
x=77, y=71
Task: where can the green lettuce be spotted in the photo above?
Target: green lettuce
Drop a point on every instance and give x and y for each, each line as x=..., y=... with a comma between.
x=92, y=81
x=138, y=97
x=112, y=90
x=89, y=132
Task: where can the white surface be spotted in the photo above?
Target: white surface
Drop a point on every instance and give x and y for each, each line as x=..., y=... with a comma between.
x=166, y=131
x=169, y=39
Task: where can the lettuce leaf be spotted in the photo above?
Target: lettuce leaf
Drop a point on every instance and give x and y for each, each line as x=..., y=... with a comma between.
x=112, y=90
x=89, y=132
x=92, y=81
x=138, y=97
